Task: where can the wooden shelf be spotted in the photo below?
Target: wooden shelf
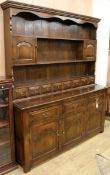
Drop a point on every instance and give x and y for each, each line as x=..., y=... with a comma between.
x=3, y=123
x=43, y=81
x=3, y=105
x=3, y=142
x=54, y=62
x=53, y=38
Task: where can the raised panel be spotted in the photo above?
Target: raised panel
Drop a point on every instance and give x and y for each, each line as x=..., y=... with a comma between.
x=23, y=50
x=44, y=139
x=95, y=113
x=89, y=52
x=72, y=128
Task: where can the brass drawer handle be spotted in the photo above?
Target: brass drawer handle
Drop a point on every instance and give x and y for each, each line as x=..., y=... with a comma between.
x=45, y=115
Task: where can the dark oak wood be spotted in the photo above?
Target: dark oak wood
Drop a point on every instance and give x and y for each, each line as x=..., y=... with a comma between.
x=7, y=144
x=108, y=102
x=51, y=56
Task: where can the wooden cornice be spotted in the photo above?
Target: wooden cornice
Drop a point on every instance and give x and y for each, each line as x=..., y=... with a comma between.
x=34, y=8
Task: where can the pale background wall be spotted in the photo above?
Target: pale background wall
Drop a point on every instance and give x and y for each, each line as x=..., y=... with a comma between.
x=101, y=9
x=96, y=8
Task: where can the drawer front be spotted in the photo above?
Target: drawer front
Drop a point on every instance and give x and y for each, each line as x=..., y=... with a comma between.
x=46, y=88
x=91, y=80
x=67, y=84
x=76, y=83
x=84, y=81
x=74, y=106
x=44, y=115
x=57, y=87
x=35, y=90
x=20, y=93
x=97, y=97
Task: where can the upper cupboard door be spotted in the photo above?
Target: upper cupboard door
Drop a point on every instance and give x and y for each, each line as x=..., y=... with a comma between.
x=89, y=50
x=23, y=50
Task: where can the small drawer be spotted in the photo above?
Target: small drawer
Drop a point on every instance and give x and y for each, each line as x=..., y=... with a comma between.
x=67, y=84
x=35, y=90
x=74, y=106
x=57, y=87
x=43, y=115
x=84, y=81
x=99, y=97
x=76, y=83
x=91, y=80
x=20, y=93
x=46, y=88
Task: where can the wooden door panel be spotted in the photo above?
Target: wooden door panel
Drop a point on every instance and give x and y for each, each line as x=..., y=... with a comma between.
x=95, y=114
x=89, y=50
x=23, y=49
x=72, y=128
x=44, y=139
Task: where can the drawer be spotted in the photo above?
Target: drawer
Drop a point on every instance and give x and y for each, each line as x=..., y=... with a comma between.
x=67, y=84
x=44, y=115
x=84, y=81
x=91, y=80
x=20, y=93
x=74, y=106
x=46, y=88
x=76, y=83
x=35, y=90
x=57, y=87
x=98, y=97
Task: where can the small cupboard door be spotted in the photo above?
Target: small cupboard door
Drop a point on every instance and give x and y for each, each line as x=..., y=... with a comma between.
x=23, y=49
x=89, y=50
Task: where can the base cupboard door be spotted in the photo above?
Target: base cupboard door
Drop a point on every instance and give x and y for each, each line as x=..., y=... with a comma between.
x=72, y=128
x=95, y=114
x=44, y=140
